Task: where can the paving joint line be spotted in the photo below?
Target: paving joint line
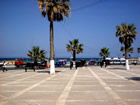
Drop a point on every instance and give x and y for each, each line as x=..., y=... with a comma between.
x=118, y=75
x=113, y=74
x=107, y=88
x=31, y=87
x=20, y=80
x=63, y=97
x=130, y=73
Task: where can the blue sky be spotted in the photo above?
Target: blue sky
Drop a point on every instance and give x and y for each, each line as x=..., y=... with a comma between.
x=93, y=22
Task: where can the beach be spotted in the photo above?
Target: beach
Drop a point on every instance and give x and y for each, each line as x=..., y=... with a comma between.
x=89, y=85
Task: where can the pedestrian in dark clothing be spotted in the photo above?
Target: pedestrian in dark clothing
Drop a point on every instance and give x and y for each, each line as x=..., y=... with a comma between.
x=76, y=65
x=4, y=66
x=106, y=63
x=71, y=64
x=101, y=64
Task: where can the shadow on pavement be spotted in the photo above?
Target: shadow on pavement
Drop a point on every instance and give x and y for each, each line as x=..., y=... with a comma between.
x=15, y=68
x=116, y=68
x=134, y=78
x=47, y=72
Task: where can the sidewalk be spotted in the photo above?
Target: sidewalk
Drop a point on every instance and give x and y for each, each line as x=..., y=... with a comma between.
x=85, y=86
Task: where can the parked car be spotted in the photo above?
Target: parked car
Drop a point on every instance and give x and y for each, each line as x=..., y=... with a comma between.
x=19, y=62
x=92, y=62
x=58, y=63
x=61, y=62
x=41, y=64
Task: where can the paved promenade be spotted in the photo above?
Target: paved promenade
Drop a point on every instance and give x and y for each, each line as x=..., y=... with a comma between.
x=91, y=85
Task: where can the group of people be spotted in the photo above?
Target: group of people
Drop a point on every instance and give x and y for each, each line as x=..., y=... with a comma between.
x=77, y=64
x=104, y=63
x=71, y=65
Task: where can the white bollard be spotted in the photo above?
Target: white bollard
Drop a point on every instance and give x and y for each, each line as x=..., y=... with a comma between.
x=127, y=64
x=52, y=67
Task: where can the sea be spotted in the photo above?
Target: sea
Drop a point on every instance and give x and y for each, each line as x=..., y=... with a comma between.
x=56, y=59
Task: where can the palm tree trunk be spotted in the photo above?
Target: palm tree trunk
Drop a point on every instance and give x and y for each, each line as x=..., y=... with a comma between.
x=74, y=55
x=104, y=58
x=52, y=67
x=51, y=42
x=74, y=59
x=35, y=62
x=126, y=52
x=126, y=56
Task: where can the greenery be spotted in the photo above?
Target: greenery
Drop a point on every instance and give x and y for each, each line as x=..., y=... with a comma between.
x=127, y=35
x=36, y=54
x=130, y=50
x=54, y=10
x=75, y=48
x=104, y=53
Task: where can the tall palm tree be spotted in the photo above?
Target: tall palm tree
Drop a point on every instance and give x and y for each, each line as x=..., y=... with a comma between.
x=104, y=53
x=130, y=50
x=127, y=35
x=36, y=54
x=75, y=48
x=55, y=10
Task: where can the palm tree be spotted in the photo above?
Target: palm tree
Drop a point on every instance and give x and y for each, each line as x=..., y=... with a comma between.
x=130, y=50
x=55, y=10
x=36, y=54
x=127, y=35
x=75, y=48
x=104, y=53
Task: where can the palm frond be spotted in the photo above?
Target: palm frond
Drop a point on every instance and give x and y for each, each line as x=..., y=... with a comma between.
x=127, y=35
x=104, y=52
x=75, y=46
x=36, y=53
x=55, y=9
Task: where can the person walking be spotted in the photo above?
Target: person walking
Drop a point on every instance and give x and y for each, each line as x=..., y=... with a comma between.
x=71, y=64
x=101, y=63
x=4, y=66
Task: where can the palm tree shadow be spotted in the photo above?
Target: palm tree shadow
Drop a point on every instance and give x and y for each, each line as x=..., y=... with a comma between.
x=15, y=68
x=134, y=78
x=47, y=72
x=113, y=68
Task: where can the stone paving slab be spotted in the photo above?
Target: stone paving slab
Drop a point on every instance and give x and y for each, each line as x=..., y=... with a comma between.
x=89, y=96
x=12, y=88
x=7, y=94
x=85, y=79
x=129, y=87
x=114, y=80
x=39, y=96
x=133, y=102
x=129, y=95
x=85, y=86
x=49, y=88
x=86, y=83
x=93, y=103
x=118, y=82
x=54, y=83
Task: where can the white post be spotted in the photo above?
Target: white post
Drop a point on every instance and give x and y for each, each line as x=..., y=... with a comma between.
x=127, y=64
x=74, y=64
x=52, y=67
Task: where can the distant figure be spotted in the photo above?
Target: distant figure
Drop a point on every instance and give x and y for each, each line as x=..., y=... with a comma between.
x=101, y=63
x=4, y=66
x=86, y=64
x=71, y=64
x=106, y=63
x=76, y=65
x=135, y=62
